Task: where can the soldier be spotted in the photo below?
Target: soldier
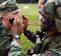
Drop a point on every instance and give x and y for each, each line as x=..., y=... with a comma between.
x=10, y=26
x=51, y=45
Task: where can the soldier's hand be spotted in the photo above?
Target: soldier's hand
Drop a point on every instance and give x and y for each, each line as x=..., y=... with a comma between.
x=25, y=22
x=17, y=28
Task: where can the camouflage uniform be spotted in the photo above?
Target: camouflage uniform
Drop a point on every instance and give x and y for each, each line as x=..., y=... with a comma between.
x=5, y=34
x=15, y=49
x=53, y=42
x=51, y=46
x=4, y=38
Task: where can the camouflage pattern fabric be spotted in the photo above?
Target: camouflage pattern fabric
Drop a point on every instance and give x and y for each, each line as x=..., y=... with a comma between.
x=54, y=45
x=4, y=38
x=50, y=8
x=15, y=51
x=5, y=41
x=8, y=7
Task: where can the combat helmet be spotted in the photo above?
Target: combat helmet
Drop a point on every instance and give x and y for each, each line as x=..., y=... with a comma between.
x=7, y=7
x=53, y=7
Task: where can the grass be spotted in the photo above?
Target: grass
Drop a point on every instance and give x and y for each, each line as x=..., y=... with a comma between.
x=31, y=11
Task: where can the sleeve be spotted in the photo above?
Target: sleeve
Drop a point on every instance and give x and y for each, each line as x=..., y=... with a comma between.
x=30, y=35
x=15, y=49
x=33, y=36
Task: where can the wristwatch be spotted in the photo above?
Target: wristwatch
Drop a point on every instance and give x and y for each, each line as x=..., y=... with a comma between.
x=17, y=37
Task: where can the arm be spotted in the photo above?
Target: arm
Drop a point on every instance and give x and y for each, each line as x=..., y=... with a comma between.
x=34, y=36
x=15, y=49
x=30, y=35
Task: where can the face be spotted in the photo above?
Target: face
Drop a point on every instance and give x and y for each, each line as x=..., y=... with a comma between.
x=15, y=26
x=46, y=16
x=49, y=24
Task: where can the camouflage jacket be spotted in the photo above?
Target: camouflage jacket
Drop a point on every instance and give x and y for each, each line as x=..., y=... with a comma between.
x=53, y=42
x=15, y=49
